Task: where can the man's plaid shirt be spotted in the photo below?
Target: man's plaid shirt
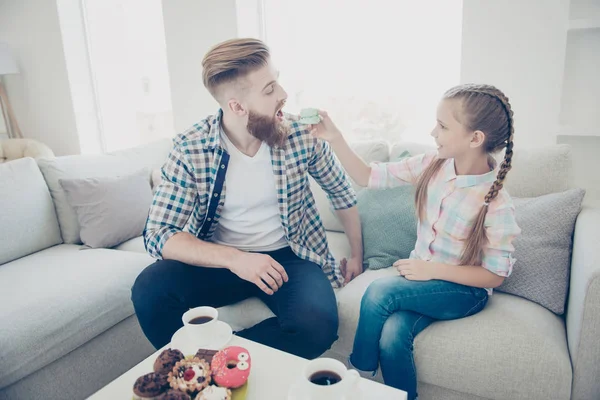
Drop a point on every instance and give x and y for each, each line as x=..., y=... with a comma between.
x=191, y=195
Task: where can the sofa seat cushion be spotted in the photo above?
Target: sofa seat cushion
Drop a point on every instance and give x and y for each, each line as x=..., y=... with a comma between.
x=53, y=301
x=136, y=245
x=513, y=349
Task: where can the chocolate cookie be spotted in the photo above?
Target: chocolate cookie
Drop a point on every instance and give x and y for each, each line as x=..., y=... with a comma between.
x=206, y=355
x=173, y=394
x=150, y=385
x=167, y=360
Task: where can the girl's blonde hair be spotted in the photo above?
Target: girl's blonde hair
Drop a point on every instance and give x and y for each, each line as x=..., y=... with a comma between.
x=483, y=108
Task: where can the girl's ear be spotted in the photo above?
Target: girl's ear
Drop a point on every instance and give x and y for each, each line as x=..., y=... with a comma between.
x=478, y=139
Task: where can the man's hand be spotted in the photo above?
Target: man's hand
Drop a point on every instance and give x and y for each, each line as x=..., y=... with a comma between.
x=326, y=129
x=260, y=269
x=416, y=270
x=351, y=269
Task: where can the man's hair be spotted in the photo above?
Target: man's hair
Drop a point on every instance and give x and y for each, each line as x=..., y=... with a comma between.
x=231, y=60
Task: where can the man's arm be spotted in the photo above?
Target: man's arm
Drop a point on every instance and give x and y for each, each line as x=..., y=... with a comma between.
x=329, y=174
x=351, y=222
x=173, y=203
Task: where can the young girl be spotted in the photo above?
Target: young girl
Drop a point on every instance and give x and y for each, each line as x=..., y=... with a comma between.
x=465, y=230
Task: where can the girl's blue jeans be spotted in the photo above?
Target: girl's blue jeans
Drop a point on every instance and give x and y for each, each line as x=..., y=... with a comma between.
x=393, y=311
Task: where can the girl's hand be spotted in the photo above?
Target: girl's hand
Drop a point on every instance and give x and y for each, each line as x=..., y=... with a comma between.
x=416, y=270
x=326, y=129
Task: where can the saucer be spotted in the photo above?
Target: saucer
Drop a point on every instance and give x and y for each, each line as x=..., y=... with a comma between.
x=294, y=393
x=222, y=335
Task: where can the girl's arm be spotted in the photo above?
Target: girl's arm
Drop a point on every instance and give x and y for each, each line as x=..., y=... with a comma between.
x=469, y=275
x=358, y=170
x=378, y=175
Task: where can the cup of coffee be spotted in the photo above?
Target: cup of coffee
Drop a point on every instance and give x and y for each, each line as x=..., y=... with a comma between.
x=326, y=378
x=200, y=322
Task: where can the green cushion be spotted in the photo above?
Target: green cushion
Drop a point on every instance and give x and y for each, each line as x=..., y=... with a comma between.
x=389, y=224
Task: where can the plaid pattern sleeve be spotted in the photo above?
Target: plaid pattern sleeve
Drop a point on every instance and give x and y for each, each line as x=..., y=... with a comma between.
x=173, y=202
x=329, y=174
x=501, y=229
x=398, y=173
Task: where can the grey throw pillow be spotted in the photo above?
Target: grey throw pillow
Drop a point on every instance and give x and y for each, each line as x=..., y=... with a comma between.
x=543, y=250
x=389, y=224
x=110, y=210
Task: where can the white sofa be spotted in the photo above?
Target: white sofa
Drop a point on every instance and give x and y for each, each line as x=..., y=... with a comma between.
x=68, y=325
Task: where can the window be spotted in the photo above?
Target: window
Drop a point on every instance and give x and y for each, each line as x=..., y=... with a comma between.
x=378, y=67
x=128, y=62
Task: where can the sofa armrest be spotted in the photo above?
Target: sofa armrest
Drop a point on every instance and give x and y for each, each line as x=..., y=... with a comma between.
x=583, y=310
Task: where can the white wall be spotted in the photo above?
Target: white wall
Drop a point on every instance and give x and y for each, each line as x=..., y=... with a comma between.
x=192, y=27
x=519, y=46
x=581, y=89
x=586, y=164
x=40, y=94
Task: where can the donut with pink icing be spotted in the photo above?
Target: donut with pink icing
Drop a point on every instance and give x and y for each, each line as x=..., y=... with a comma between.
x=231, y=367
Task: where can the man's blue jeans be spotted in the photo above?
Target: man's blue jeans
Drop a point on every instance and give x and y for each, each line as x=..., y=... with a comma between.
x=306, y=321
x=393, y=311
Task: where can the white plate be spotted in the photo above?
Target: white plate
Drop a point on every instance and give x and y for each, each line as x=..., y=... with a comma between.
x=188, y=346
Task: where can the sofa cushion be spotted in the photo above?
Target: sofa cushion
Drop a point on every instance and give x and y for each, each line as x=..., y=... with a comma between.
x=389, y=224
x=543, y=250
x=537, y=171
x=110, y=210
x=29, y=221
x=87, y=166
x=53, y=301
x=369, y=151
x=492, y=354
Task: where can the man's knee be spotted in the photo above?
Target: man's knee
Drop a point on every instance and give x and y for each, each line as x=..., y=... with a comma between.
x=318, y=330
x=148, y=284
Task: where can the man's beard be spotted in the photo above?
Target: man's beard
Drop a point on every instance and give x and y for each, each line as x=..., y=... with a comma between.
x=267, y=129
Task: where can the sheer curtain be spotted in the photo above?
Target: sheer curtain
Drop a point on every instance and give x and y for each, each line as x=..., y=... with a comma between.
x=379, y=67
x=128, y=61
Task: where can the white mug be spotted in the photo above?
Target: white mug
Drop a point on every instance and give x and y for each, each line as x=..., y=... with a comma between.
x=341, y=390
x=203, y=330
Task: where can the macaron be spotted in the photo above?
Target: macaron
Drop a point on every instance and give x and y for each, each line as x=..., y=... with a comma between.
x=309, y=116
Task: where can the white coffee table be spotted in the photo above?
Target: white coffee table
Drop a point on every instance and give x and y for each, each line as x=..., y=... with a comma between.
x=273, y=373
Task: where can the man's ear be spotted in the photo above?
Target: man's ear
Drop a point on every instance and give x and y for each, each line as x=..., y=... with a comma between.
x=236, y=107
x=478, y=139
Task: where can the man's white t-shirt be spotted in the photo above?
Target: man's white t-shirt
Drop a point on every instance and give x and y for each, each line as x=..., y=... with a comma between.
x=250, y=217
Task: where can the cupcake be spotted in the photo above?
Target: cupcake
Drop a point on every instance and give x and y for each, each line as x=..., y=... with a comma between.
x=167, y=360
x=190, y=375
x=150, y=386
x=173, y=394
x=214, y=393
